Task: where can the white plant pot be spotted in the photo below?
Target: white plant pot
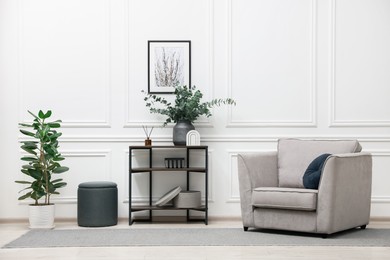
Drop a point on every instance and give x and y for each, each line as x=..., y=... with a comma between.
x=41, y=216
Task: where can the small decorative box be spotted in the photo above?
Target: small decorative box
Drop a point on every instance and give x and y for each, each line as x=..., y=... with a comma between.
x=187, y=199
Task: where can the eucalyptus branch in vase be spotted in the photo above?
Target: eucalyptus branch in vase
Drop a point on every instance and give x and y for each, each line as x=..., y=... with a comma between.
x=185, y=109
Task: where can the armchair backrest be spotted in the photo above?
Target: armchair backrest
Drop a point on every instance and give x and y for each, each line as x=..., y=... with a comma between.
x=295, y=155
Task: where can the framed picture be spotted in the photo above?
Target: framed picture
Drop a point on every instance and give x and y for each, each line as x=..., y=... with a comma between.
x=169, y=65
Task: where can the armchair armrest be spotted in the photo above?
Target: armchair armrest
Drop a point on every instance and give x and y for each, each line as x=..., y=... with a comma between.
x=255, y=170
x=344, y=193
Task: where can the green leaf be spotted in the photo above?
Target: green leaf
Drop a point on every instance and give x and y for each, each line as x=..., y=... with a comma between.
x=51, y=188
x=54, y=125
x=54, y=165
x=37, y=166
x=43, y=132
x=41, y=114
x=25, y=196
x=36, y=195
x=38, y=187
x=29, y=159
x=29, y=143
x=59, y=185
x=29, y=150
x=56, y=135
x=27, y=188
x=57, y=180
x=25, y=172
x=58, y=158
x=29, y=146
x=23, y=182
x=27, y=133
x=50, y=150
x=48, y=157
x=60, y=169
x=25, y=125
x=35, y=174
x=48, y=114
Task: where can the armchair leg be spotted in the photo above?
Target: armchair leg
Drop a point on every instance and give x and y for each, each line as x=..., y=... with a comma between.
x=245, y=228
x=363, y=227
x=324, y=236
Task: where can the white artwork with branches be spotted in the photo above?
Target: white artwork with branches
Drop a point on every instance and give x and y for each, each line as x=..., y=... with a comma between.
x=169, y=65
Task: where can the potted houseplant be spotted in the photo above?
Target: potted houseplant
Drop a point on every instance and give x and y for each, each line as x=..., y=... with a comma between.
x=186, y=108
x=41, y=165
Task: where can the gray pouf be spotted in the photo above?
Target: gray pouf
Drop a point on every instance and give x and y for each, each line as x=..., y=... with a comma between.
x=97, y=204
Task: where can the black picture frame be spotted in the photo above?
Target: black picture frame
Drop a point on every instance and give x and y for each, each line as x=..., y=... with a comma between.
x=169, y=65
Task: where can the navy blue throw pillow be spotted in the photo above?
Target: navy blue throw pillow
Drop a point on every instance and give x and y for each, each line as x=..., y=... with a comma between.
x=311, y=178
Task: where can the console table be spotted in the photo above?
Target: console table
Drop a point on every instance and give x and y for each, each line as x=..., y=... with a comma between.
x=187, y=169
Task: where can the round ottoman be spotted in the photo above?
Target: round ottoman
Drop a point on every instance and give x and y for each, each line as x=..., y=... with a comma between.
x=97, y=204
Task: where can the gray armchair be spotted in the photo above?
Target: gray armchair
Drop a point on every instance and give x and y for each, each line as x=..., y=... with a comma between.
x=273, y=196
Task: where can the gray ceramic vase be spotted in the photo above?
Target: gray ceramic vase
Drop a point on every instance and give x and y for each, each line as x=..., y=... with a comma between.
x=180, y=131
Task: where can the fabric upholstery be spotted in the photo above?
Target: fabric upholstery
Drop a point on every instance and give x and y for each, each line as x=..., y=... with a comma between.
x=312, y=175
x=293, y=220
x=343, y=198
x=294, y=155
x=344, y=194
x=255, y=170
x=285, y=198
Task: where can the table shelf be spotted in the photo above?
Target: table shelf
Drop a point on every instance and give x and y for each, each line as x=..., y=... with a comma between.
x=153, y=207
x=164, y=169
x=150, y=169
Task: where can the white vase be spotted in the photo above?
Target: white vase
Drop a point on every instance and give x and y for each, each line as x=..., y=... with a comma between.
x=41, y=216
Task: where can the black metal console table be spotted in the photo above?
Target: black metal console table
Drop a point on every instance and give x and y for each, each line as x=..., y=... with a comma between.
x=150, y=169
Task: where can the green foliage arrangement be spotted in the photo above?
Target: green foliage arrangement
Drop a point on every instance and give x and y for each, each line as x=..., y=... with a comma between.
x=43, y=159
x=187, y=106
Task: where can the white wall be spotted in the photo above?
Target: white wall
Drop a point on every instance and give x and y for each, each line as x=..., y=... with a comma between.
x=303, y=68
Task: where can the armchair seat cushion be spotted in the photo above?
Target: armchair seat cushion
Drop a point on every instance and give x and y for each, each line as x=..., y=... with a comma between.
x=285, y=198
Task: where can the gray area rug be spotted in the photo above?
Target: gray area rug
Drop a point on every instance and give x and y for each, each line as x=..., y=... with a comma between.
x=103, y=237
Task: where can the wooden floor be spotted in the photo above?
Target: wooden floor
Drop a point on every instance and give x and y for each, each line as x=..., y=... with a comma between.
x=11, y=231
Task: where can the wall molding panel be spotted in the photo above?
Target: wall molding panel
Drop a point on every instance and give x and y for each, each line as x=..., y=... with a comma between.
x=129, y=32
x=309, y=122
x=105, y=121
x=334, y=121
x=88, y=153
